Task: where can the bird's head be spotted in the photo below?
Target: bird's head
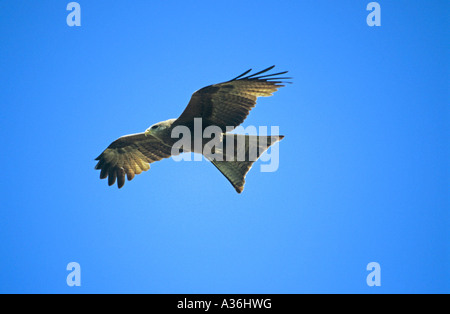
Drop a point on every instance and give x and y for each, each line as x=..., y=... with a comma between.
x=160, y=128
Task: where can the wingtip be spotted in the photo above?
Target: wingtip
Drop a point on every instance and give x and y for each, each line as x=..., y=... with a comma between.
x=239, y=76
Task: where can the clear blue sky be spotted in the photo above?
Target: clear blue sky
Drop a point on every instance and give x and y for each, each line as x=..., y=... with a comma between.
x=364, y=168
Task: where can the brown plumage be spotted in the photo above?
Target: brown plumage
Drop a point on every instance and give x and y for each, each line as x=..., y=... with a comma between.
x=225, y=105
x=229, y=103
x=130, y=155
x=235, y=170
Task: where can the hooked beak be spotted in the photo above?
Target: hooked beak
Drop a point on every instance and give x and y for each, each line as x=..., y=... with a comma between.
x=147, y=132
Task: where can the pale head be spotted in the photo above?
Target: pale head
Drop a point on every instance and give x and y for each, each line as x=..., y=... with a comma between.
x=159, y=129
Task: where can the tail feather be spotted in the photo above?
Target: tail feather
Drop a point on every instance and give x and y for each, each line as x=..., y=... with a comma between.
x=235, y=165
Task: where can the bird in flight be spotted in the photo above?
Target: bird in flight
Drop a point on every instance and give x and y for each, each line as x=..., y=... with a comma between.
x=223, y=106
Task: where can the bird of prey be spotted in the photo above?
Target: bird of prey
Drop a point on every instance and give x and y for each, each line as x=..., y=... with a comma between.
x=224, y=106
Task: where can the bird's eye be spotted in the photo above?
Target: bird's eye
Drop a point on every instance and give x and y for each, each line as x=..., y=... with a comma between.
x=154, y=127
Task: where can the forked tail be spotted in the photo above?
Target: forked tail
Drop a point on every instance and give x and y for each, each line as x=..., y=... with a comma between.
x=238, y=155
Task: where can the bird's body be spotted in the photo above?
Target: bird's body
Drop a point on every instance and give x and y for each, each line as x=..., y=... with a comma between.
x=215, y=109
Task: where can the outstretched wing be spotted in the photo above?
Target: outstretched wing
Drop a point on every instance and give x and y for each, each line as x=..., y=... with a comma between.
x=229, y=103
x=130, y=155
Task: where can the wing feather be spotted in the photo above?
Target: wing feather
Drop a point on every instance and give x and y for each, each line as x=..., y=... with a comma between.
x=130, y=155
x=229, y=103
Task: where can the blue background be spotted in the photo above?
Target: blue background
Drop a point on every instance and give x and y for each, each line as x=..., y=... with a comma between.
x=364, y=168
